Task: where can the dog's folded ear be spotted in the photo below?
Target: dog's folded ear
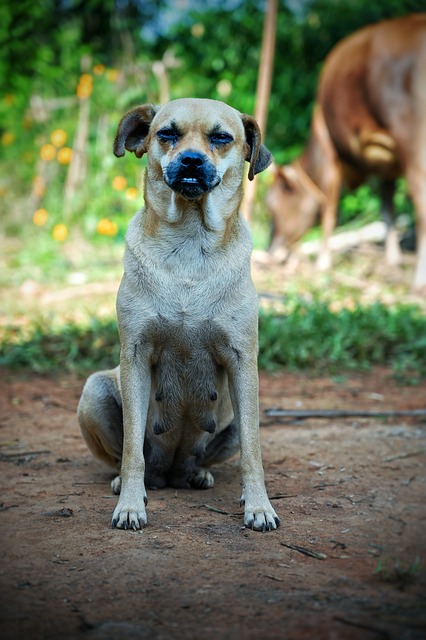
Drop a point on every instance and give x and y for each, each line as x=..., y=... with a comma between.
x=257, y=154
x=133, y=130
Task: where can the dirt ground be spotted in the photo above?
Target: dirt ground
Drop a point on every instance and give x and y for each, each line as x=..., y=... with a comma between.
x=346, y=563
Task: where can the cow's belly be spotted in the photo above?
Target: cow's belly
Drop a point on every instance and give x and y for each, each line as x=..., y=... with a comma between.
x=375, y=152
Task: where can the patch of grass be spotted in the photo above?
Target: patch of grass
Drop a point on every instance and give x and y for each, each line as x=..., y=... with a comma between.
x=69, y=347
x=311, y=336
x=397, y=572
x=308, y=336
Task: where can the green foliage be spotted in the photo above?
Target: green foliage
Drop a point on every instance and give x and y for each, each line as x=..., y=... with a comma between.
x=311, y=336
x=205, y=50
x=208, y=49
x=363, y=204
x=398, y=571
x=69, y=348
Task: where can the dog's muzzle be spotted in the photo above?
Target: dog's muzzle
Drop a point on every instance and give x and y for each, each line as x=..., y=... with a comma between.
x=191, y=174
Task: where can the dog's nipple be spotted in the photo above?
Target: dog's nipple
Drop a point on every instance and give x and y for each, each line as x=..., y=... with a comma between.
x=209, y=426
x=159, y=428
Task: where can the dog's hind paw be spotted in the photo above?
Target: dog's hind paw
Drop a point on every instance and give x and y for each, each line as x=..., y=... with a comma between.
x=116, y=486
x=203, y=479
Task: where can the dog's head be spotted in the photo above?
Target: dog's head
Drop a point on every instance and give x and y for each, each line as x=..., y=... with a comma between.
x=193, y=144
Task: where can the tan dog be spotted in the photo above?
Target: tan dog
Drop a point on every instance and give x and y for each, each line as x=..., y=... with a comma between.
x=186, y=393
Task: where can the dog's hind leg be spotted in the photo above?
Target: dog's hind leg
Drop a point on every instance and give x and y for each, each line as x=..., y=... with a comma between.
x=222, y=447
x=101, y=418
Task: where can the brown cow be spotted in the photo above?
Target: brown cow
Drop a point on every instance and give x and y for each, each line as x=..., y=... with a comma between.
x=369, y=118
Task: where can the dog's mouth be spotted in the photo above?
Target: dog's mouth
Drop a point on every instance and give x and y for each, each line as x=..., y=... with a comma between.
x=190, y=180
x=191, y=174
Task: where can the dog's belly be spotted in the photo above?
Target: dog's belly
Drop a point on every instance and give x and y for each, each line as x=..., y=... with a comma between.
x=188, y=384
x=190, y=403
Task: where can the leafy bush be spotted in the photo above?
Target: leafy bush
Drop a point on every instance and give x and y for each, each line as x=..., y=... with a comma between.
x=311, y=336
x=68, y=348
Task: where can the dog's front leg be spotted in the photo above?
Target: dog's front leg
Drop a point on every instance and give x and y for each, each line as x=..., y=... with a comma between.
x=244, y=388
x=135, y=374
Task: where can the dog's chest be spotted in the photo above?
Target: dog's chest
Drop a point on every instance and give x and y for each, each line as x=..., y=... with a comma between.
x=188, y=302
x=182, y=301
x=179, y=290
x=188, y=382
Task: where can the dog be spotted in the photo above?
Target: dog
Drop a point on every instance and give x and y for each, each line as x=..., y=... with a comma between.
x=185, y=395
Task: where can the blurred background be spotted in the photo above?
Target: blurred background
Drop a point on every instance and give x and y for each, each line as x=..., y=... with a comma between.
x=69, y=69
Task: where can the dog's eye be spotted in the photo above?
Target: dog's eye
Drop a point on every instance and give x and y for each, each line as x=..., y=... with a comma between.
x=168, y=135
x=221, y=138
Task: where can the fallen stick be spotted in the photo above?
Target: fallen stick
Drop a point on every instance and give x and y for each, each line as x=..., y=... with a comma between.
x=306, y=552
x=351, y=623
x=217, y=510
x=342, y=413
x=271, y=577
x=406, y=454
x=344, y=240
x=22, y=454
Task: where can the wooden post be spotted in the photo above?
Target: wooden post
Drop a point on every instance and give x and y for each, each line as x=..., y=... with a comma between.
x=263, y=91
x=78, y=165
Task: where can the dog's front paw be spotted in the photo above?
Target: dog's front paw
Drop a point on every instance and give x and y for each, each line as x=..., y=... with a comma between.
x=260, y=517
x=129, y=517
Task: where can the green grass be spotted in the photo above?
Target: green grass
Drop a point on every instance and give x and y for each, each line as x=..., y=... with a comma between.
x=311, y=337
x=307, y=337
x=70, y=348
x=397, y=571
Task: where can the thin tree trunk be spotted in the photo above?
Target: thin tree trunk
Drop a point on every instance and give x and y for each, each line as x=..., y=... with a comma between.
x=78, y=165
x=263, y=91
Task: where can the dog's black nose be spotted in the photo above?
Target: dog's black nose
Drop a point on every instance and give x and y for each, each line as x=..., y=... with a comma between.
x=192, y=159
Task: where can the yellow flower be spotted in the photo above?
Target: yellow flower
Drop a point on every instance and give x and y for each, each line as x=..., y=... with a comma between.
x=197, y=30
x=58, y=137
x=47, y=152
x=64, y=155
x=85, y=86
x=131, y=193
x=112, y=75
x=98, y=69
x=60, y=232
x=9, y=99
x=86, y=78
x=119, y=183
x=7, y=138
x=84, y=91
x=40, y=217
x=107, y=227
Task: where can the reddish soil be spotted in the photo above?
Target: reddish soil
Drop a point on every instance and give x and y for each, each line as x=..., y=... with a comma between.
x=350, y=491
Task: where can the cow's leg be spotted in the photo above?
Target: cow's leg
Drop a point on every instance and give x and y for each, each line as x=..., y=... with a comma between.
x=392, y=250
x=329, y=217
x=419, y=282
x=416, y=169
x=416, y=178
